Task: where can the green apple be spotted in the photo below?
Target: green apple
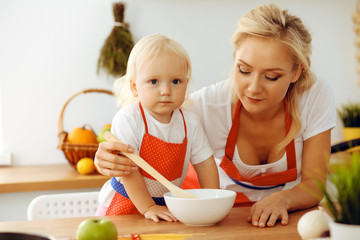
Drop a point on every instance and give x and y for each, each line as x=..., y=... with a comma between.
x=96, y=229
x=100, y=136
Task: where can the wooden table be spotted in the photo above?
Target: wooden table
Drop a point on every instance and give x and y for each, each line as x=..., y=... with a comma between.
x=234, y=226
x=46, y=177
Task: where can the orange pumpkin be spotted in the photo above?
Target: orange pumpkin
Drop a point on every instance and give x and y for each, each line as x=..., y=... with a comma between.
x=83, y=135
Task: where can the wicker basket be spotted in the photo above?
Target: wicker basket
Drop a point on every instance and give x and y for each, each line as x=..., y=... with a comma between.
x=74, y=152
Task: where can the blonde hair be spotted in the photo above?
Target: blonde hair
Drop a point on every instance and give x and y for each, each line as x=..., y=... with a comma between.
x=269, y=21
x=146, y=49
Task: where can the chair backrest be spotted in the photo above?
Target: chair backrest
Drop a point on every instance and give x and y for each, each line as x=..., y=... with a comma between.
x=63, y=205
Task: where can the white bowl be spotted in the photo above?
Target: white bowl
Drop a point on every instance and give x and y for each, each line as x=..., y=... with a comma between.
x=210, y=206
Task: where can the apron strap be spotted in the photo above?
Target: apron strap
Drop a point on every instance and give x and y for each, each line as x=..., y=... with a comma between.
x=184, y=122
x=231, y=140
x=119, y=187
x=290, y=148
x=144, y=118
x=143, y=115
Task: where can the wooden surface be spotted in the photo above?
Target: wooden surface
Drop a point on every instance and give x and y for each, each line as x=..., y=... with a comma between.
x=46, y=177
x=234, y=226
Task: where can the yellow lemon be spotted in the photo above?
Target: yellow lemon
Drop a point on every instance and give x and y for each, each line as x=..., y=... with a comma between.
x=85, y=166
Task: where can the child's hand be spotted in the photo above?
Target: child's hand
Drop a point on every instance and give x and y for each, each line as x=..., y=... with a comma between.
x=157, y=212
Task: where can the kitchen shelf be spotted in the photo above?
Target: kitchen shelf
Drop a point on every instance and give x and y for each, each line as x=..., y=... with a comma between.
x=46, y=177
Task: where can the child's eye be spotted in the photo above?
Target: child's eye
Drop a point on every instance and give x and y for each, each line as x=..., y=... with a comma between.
x=153, y=81
x=176, y=81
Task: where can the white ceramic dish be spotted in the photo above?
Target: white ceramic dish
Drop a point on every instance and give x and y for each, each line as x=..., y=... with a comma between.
x=208, y=208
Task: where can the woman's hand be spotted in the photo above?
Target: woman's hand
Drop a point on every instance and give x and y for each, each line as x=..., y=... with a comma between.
x=110, y=162
x=276, y=206
x=157, y=212
x=268, y=210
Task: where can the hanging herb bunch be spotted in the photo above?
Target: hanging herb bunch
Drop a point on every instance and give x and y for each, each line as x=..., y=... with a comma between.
x=116, y=49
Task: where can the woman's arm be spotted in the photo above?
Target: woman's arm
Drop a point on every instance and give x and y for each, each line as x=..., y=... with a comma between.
x=207, y=173
x=136, y=189
x=316, y=152
x=315, y=162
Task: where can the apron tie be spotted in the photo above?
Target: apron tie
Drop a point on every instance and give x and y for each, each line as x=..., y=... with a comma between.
x=119, y=187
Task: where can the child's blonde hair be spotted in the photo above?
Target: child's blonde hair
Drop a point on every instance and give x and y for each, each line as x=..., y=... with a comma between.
x=147, y=49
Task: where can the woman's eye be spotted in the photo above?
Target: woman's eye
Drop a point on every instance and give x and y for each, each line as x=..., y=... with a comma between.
x=153, y=81
x=272, y=78
x=243, y=71
x=176, y=81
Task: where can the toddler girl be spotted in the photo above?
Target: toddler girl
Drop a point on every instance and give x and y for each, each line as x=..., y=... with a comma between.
x=152, y=122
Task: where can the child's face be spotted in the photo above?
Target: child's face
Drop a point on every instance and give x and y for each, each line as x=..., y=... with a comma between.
x=160, y=84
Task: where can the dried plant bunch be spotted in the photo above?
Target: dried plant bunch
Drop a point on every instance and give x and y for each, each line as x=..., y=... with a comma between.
x=116, y=49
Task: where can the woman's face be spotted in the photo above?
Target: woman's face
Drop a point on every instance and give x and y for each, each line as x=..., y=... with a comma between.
x=263, y=71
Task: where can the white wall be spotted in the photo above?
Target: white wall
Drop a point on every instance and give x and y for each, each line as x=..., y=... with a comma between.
x=49, y=50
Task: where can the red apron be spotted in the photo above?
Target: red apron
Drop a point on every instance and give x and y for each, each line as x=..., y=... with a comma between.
x=271, y=179
x=166, y=158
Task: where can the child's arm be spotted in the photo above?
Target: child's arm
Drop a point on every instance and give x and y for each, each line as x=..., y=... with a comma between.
x=136, y=189
x=207, y=173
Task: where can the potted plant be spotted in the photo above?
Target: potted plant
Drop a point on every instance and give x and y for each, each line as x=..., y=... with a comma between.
x=344, y=205
x=350, y=116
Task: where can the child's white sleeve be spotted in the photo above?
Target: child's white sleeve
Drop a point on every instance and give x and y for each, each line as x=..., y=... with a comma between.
x=125, y=127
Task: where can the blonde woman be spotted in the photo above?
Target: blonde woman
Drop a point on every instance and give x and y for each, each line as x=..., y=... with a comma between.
x=153, y=123
x=269, y=124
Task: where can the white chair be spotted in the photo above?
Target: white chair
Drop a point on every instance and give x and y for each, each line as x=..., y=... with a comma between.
x=63, y=205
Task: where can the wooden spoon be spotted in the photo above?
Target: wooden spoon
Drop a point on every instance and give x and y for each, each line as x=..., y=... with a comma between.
x=178, y=192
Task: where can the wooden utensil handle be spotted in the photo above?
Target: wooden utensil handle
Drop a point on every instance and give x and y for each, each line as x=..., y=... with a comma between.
x=177, y=192
x=141, y=163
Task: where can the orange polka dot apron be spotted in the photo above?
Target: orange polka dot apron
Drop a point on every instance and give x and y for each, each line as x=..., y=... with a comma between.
x=167, y=158
x=263, y=182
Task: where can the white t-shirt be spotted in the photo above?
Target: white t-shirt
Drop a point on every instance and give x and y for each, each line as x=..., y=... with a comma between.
x=128, y=125
x=213, y=105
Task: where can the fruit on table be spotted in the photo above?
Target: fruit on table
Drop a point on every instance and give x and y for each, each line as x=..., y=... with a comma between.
x=100, y=136
x=106, y=126
x=83, y=135
x=96, y=229
x=313, y=224
x=85, y=166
